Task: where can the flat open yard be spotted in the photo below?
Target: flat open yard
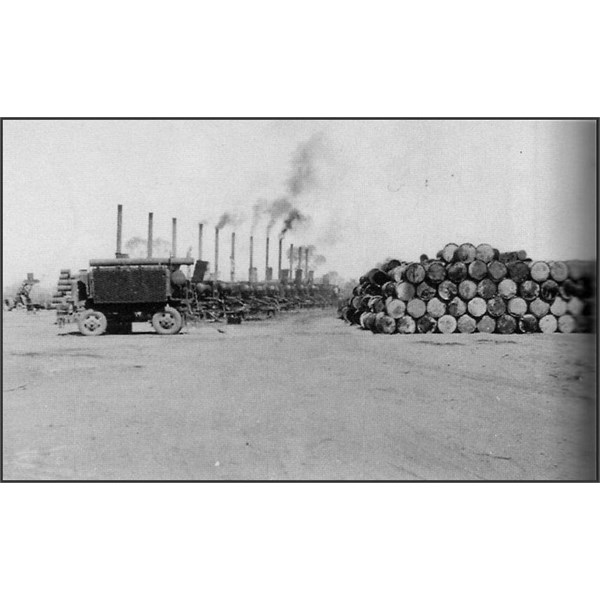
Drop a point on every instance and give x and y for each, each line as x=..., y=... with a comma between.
x=302, y=396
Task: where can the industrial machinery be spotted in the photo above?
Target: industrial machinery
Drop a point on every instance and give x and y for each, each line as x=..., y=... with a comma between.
x=116, y=292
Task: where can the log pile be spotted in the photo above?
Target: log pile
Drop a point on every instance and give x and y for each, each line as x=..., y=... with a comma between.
x=468, y=289
x=64, y=288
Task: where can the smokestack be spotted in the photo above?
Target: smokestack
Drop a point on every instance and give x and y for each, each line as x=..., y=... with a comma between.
x=216, y=253
x=119, y=229
x=291, y=259
x=174, y=238
x=200, y=226
x=232, y=257
x=306, y=261
x=280, y=250
x=150, y=238
x=268, y=270
x=250, y=270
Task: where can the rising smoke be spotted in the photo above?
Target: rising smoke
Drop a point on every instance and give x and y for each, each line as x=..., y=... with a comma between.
x=137, y=247
x=303, y=179
x=228, y=219
x=258, y=210
x=277, y=210
x=314, y=259
x=293, y=217
x=304, y=173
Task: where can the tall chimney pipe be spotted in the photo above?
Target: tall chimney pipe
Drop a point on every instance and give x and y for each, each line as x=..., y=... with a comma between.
x=216, y=253
x=174, y=238
x=267, y=261
x=200, y=227
x=280, y=250
x=299, y=268
x=232, y=256
x=119, y=228
x=291, y=259
x=150, y=234
x=306, y=261
x=251, y=251
x=267, y=257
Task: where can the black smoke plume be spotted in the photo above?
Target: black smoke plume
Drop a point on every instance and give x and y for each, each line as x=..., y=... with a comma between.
x=303, y=178
x=293, y=217
x=276, y=210
x=304, y=174
x=227, y=219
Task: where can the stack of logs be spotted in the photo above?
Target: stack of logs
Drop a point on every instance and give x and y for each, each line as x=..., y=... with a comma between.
x=64, y=288
x=471, y=289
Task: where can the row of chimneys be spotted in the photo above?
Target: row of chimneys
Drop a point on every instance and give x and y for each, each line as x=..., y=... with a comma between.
x=303, y=255
x=252, y=272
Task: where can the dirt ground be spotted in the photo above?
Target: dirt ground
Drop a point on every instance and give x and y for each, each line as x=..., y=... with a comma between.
x=302, y=396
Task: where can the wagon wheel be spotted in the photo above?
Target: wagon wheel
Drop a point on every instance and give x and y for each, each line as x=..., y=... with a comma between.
x=92, y=322
x=167, y=321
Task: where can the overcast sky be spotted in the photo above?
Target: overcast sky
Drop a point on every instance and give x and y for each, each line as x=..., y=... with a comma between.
x=380, y=188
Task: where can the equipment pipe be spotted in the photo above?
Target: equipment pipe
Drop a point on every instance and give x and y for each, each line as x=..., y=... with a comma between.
x=119, y=227
x=200, y=227
x=174, y=238
x=280, y=251
x=216, y=252
x=232, y=256
x=112, y=262
x=306, y=261
x=150, y=234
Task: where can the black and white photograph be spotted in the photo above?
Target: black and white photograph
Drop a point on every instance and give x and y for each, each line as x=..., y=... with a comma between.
x=297, y=299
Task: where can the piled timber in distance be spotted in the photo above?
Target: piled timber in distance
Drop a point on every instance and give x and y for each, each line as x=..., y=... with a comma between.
x=470, y=289
x=64, y=289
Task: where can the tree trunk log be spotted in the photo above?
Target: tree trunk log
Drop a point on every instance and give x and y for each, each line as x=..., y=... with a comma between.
x=426, y=324
x=487, y=289
x=477, y=307
x=548, y=324
x=485, y=253
x=406, y=324
x=436, y=308
x=447, y=290
x=405, y=291
x=507, y=289
x=486, y=324
x=457, y=272
x=506, y=324
x=446, y=324
x=497, y=270
x=467, y=289
x=416, y=308
x=466, y=324
x=457, y=307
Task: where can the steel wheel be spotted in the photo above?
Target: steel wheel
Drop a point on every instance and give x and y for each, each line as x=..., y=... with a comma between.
x=92, y=322
x=167, y=321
